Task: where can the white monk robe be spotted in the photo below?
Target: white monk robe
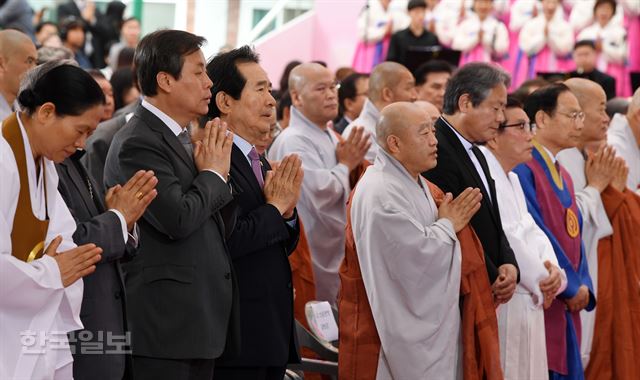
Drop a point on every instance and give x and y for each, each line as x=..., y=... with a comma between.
x=523, y=351
x=621, y=137
x=595, y=226
x=368, y=119
x=323, y=199
x=32, y=299
x=410, y=262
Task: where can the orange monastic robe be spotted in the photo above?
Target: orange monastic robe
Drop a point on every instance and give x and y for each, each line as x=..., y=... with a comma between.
x=616, y=342
x=359, y=340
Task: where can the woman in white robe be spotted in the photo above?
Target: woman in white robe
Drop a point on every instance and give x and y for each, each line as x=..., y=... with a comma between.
x=521, y=321
x=481, y=37
x=40, y=292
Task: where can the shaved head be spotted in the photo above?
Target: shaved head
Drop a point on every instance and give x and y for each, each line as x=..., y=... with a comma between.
x=314, y=93
x=11, y=40
x=406, y=133
x=393, y=77
x=634, y=104
x=431, y=110
x=584, y=89
x=301, y=74
x=395, y=118
x=17, y=56
x=593, y=101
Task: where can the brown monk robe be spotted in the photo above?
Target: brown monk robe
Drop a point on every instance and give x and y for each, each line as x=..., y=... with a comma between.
x=302, y=277
x=359, y=341
x=616, y=342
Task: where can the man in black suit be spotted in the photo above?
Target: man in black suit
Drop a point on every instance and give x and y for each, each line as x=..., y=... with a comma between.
x=415, y=37
x=586, y=58
x=474, y=105
x=267, y=229
x=181, y=292
x=101, y=350
x=97, y=147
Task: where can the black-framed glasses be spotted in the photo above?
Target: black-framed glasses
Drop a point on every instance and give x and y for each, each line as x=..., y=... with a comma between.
x=522, y=126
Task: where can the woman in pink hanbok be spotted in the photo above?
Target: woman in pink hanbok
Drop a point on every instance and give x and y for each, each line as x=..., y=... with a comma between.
x=610, y=38
x=632, y=25
x=481, y=37
x=548, y=41
x=375, y=26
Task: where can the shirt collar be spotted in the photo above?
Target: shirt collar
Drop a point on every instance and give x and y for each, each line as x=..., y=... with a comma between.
x=244, y=146
x=466, y=143
x=371, y=109
x=168, y=121
x=553, y=158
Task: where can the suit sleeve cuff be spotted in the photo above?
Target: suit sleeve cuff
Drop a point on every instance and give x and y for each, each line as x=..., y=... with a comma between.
x=123, y=224
x=218, y=174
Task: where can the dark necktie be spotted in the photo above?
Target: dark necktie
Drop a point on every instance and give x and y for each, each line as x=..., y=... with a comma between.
x=485, y=168
x=185, y=140
x=256, y=166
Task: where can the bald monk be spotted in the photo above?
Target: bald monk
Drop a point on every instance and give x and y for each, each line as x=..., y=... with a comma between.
x=17, y=56
x=610, y=338
x=624, y=136
x=389, y=82
x=591, y=170
x=403, y=320
x=327, y=162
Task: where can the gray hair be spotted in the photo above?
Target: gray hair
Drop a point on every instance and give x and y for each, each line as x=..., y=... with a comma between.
x=476, y=80
x=50, y=53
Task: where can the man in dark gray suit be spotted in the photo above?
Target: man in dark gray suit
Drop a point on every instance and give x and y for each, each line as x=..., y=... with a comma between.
x=97, y=148
x=181, y=298
x=100, y=349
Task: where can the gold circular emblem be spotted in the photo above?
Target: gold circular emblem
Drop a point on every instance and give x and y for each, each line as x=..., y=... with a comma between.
x=573, y=228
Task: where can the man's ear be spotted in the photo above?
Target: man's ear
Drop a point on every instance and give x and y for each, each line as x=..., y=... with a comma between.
x=393, y=144
x=348, y=103
x=164, y=81
x=296, y=101
x=541, y=119
x=464, y=103
x=387, y=95
x=223, y=102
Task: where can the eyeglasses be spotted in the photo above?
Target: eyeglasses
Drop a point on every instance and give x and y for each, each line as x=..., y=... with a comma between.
x=522, y=126
x=574, y=116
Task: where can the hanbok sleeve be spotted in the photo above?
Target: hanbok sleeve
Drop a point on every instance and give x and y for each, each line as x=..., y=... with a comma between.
x=532, y=39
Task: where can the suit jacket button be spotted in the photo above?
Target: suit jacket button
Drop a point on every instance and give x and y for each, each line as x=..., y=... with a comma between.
x=227, y=275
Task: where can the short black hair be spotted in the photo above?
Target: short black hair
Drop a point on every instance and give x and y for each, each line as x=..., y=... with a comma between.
x=523, y=91
x=514, y=102
x=122, y=80
x=284, y=102
x=599, y=3
x=223, y=72
x=43, y=24
x=433, y=66
x=416, y=4
x=163, y=51
x=348, y=90
x=585, y=43
x=544, y=99
x=71, y=89
x=284, y=79
x=475, y=79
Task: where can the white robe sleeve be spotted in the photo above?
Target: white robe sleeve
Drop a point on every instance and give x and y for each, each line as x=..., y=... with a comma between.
x=614, y=44
x=562, y=41
x=500, y=39
x=532, y=38
x=372, y=24
x=581, y=16
x=631, y=6
x=465, y=36
x=521, y=12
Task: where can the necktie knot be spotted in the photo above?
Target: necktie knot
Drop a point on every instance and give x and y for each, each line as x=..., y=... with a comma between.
x=185, y=139
x=253, y=154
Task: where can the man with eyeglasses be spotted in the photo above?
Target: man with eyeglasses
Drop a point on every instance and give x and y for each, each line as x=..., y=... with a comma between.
x=352, y=94
x=523, y=351
x=551, y=201
x=390, y=82
x=600, y=182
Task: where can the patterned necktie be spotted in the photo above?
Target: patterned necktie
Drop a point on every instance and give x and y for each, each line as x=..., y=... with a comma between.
x=185, y=139
x=256, y=166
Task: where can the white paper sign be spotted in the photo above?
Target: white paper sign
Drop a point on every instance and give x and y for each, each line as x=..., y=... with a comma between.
x=322, y=321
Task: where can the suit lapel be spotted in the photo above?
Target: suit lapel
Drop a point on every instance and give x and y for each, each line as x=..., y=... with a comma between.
x=80, y=185
x=172, y=140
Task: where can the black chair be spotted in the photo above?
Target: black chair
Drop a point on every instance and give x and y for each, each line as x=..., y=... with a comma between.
x=328, y=362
